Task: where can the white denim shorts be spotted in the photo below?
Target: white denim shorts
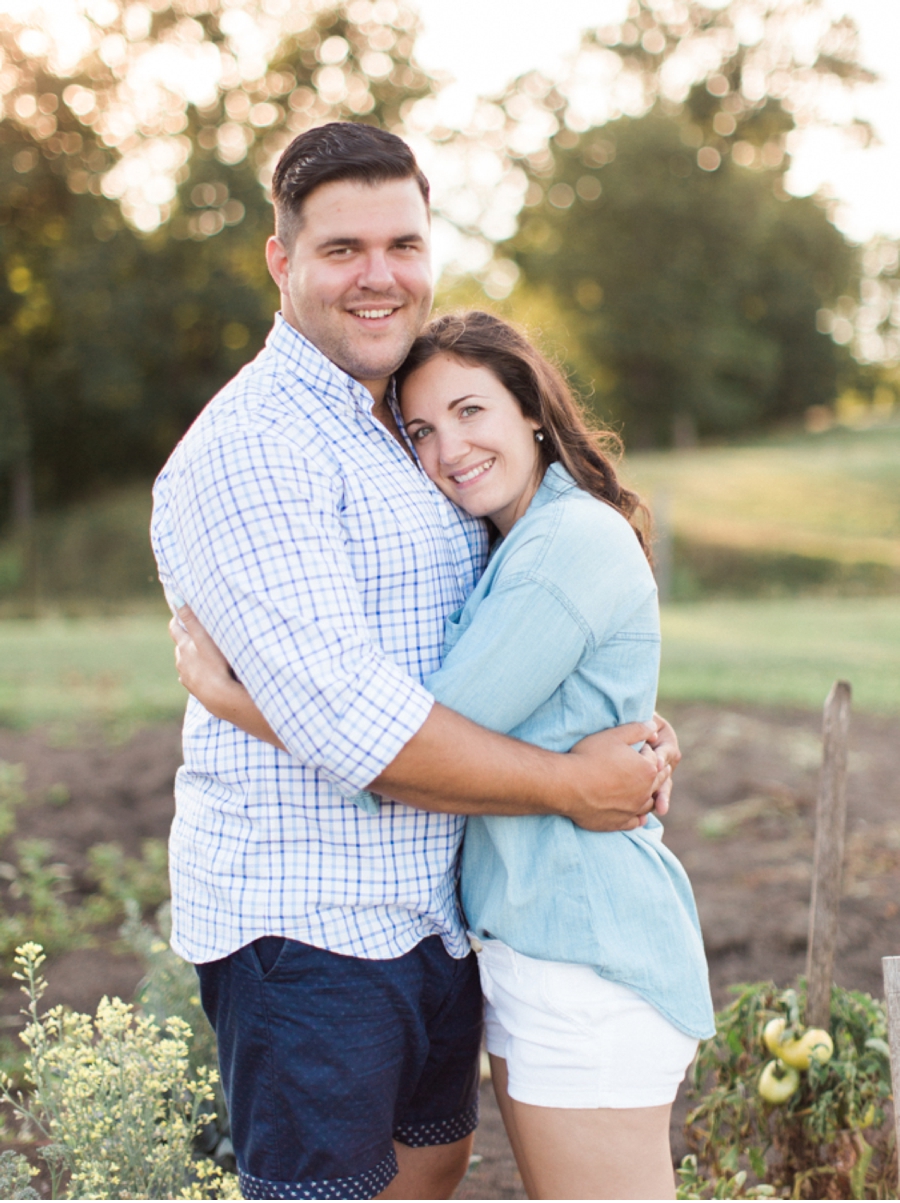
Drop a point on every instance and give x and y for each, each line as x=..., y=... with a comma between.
x=570, y=1038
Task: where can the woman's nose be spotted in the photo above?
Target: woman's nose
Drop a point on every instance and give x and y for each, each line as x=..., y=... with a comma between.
x=453, y=447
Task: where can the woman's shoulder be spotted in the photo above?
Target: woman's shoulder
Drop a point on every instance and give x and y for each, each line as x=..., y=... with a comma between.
x=570, y=525
x=580, y=549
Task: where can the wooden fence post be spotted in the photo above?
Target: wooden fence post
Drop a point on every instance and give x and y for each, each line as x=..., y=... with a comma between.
x=891, y=968
x=831, y=820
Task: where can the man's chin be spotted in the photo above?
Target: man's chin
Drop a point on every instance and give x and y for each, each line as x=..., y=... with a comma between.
x=369, y=367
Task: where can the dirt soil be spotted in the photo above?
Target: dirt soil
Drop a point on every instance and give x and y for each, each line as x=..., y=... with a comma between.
x=741, y=821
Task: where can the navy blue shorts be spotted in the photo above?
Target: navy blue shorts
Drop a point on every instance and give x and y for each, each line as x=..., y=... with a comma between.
x=327, y=1059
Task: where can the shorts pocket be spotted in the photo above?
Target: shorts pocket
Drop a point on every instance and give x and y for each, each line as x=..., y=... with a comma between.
x=570, y=993
x=266, y=953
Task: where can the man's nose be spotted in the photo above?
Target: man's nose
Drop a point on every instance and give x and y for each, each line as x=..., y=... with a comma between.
x=376, y=273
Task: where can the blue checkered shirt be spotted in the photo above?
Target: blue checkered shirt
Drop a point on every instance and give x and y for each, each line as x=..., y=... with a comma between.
x=323, y=563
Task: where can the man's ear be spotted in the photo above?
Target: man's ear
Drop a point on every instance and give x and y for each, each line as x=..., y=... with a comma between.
x=277, y=260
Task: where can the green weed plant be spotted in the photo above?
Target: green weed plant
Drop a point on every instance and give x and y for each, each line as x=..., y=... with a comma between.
x=829, y=1140
x=115, y=1098
x=12, y=794
x=126, y=882
x=38, y=907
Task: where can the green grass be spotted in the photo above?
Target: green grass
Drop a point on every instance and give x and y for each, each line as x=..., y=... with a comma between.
x=117, y=673
x=783, y=652
x=834, y=495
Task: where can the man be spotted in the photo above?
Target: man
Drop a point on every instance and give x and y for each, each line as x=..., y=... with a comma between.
x=295, y=521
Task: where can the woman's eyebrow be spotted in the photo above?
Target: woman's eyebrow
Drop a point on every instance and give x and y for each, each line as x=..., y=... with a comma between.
x=450, y=406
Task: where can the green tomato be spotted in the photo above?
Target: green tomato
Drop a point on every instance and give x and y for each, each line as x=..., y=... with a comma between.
x=814, y=1045
x=777, y=1082
x=772, y=1034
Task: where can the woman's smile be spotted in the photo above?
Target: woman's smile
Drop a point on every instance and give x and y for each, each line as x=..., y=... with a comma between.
x=472, y=438
x=471, y=474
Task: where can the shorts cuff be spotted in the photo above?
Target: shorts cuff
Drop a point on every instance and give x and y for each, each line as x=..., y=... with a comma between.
x=593, y=1100
x=434, y=1132
x=357, y=1186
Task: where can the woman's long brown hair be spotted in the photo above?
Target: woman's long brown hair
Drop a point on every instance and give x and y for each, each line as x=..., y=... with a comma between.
x=588, y=452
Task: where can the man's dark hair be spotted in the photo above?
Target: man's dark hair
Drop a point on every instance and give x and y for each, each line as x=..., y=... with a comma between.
x=341, y=150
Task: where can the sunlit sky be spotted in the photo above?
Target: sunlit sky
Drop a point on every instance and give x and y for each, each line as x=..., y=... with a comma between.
x=483, y=44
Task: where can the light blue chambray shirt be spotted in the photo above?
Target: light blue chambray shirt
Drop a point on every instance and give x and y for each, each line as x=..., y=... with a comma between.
x=324, y=563
x=559, y=639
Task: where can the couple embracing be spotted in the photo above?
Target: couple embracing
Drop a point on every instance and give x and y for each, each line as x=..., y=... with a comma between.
x=422, y=767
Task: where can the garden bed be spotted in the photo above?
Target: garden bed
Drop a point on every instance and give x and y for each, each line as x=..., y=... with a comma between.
x=742, y=822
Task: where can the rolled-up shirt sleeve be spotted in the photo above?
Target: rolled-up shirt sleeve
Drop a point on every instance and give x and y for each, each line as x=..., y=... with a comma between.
x=266, y=569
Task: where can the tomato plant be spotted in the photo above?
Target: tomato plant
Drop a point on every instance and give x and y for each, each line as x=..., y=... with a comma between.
x=829, y=1138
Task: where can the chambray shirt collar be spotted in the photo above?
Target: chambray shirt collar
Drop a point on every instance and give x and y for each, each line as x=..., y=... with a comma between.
x=557, y=480
x=304, y=361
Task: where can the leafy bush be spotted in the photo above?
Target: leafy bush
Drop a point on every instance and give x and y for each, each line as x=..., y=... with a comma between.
x=15, y=1176
x=115, y=1098
x=170, y=989
x=829, y=1139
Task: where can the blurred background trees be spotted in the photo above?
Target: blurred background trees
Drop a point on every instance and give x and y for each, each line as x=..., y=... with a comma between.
x=689, y=280
x=133, y=216
x=656, y=246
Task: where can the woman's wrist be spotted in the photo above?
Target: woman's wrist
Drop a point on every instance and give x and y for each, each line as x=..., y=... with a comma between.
x=225, y=698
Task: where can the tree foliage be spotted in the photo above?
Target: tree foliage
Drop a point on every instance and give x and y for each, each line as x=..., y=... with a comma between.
x=692, y=294
x=691, y=280
x=113, y=336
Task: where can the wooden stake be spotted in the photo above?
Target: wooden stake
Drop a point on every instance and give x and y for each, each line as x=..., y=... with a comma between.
x=891, y=968
x=831, y=821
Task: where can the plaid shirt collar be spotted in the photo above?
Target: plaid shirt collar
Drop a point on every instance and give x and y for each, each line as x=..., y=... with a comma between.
x=302, y=361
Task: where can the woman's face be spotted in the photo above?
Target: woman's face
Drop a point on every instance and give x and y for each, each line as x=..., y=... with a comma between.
x=472, y=438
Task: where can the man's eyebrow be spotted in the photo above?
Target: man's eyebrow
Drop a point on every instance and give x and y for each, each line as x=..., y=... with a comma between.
x=340, y=240
x=356, y=243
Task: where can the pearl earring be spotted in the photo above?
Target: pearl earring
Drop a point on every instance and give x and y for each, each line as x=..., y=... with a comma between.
x=539, y=436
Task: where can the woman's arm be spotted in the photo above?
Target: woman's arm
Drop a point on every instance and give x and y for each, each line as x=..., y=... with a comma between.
x=205, y=673
x=604, y=767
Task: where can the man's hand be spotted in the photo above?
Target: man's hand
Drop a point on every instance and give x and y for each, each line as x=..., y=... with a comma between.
x=629, y=782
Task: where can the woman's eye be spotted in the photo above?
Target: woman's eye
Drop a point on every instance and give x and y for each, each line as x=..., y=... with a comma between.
x=420, y=434
x=470, y=409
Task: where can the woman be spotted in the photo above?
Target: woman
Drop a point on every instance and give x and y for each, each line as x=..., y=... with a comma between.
x=589, y=946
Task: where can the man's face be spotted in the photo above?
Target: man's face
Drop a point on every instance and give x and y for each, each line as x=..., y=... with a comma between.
x=356, y=281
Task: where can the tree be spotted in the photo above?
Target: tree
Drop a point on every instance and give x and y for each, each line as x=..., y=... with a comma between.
x=656, y=210
x=133, y=212
x=693, y=293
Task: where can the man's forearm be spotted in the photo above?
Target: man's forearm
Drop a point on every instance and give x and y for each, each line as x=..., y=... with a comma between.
x=453, y=765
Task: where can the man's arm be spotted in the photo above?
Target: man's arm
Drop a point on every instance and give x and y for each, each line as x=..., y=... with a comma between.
x=453, y=765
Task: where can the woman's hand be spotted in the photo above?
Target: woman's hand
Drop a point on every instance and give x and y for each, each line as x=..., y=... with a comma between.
x=205, y=673
x=668, y=755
